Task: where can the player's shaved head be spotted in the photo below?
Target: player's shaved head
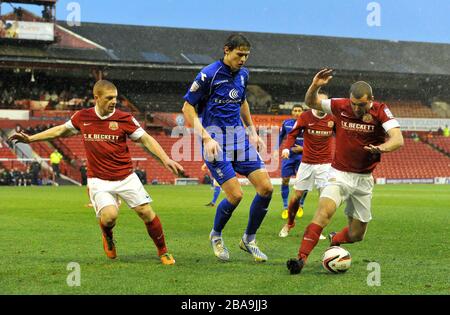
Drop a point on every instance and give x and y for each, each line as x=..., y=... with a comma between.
x=361, y=88
x=236, y=41
x=103, y=85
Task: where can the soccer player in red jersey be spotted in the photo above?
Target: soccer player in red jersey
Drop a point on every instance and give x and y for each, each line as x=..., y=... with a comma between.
x=361, y=128
x=317, y=129
x=110, y=171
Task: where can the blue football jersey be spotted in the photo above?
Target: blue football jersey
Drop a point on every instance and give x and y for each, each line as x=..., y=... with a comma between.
x=218, y=93
x=287, y=127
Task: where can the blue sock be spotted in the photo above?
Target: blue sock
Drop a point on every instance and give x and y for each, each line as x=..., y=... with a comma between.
x=302, y=200
x=248, y=238
x=216, y=194
x=223, y=214
x=258, y=211
x=285, y=195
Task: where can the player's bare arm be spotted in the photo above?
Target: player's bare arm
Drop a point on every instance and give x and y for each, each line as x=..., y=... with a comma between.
x=248, y=122
x=394, y=142
x=52, y=133
x=320, y=79
x=155, y=148
x=290, y=141
x=211, y=146
x=295, y=149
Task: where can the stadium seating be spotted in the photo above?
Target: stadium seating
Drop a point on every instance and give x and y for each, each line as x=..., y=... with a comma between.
x=42, y=149
x=162, y=102
x=7, y=153
x=155, y=170
x=411, y=109
x=441, y=143
x=415, y=160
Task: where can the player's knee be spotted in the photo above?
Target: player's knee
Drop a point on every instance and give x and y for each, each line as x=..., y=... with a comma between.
x=298, y=195
x=235, y=197
x=145, y=212
x=266, y=190
x=323, y=216
x=108, y=218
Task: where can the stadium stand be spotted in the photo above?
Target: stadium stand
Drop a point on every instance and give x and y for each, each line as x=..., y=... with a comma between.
x=441, y=143
x=7, y=156
x=153, y=73
x=415, y=160
x=411, y=109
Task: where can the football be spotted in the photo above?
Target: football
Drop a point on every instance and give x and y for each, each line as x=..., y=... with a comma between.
x=336, y=259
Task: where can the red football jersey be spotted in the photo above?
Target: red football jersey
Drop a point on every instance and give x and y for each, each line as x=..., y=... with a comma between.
x=353, y=133
x=105, y=141
x=317, y=137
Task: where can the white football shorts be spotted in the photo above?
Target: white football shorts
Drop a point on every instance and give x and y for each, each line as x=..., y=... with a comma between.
x=353, y=188
x=104, y=192
x=309, y=175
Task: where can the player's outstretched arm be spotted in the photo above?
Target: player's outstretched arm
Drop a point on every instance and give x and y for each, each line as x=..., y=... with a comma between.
x=320, y=79
x=155, y=148
x=394, y=142
x=211, y=146
x=54, y=132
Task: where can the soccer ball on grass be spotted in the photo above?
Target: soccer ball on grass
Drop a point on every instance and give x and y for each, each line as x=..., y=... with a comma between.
x=336, y=259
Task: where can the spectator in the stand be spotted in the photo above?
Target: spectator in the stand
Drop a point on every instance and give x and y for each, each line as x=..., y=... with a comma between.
x=19, y=13
x=83, y=172
x=55, y=159
x=47, y=13
x=415, y=136
x=30, y=130
x=430, y=134
x=46, y=96
x=5, y=177
x=26, y=181
x=63, y=96
x=11, y=29
x=16, y=177
x=446, y=131
x=5, y=96
x=440, y=131
x=85, y=103
x=35, y=169
x=54, y=96
x=34, y=95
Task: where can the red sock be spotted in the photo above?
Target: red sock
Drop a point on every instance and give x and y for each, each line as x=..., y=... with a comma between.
x=154, y=229
x=341, y=237
x=292, y=210
x=107, y=230
x=309, y=241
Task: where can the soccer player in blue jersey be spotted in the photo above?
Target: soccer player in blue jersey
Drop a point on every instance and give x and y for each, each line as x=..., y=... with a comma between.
x=290, y=166
x=217, y=108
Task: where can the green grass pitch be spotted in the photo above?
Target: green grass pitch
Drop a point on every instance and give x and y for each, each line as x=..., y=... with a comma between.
x=43, y=229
